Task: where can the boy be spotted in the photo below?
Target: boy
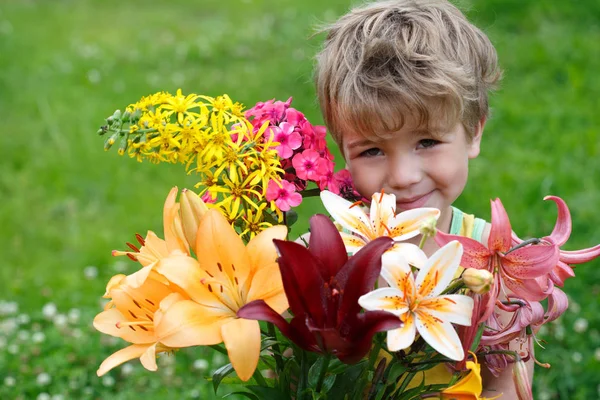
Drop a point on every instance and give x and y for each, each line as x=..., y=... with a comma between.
x=403, y=87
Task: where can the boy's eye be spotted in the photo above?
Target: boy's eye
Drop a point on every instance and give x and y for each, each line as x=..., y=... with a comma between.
x=371, y=152
x=427, y=143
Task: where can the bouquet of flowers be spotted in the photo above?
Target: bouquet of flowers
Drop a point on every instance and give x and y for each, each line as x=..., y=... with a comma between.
x=352, y=310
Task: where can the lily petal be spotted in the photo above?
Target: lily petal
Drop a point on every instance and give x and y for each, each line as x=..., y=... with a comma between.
x=500, y=232
x=352, y=218
x=302, y=280
x=106, y=322
x=327, y=245
x=121, y=356
x=475, y=254
x=185, y=272
x=407, y=224
x=562, y=229
x=352, y=242
x=411, y=253
x=385, y=299
x=454, y=308
x=242, y=340
x=267, y=285
x=383, y=208
x=187, y=323
x=558, y=302
x=148, y=359
x=261, y=249
x=397, y=273
x=580, y=256
x=359, y=274
x=401, y=338
x=220, y=250
x=561, y=273
x=531, y=261
x=174, y=236
x=528, y=289
x=439, y=270
x=439, y=334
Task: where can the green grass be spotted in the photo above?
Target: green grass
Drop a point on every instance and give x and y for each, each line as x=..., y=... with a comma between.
x=66, y=65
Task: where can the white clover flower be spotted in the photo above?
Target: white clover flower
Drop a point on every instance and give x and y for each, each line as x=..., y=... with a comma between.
x=8, y=326
x=76, y=333
x=74, y=315
x=38, y=337
x=575, y=308
x=200, y=364
x=90, y=272
x=43, y=396
x=10, y=381
x=581, y=325
x=597, y=354
x=108, y=381
x=120, y=266
x=23, y=335
x=58, y=397
x=127, y=369
x=23, y=319
x=43, y=379
x=13, y=349
x=559, y=332
x=8, y=307
x=194, y=393
x=60, y=320
x=3, y=342
x=49, y=310
x=577, y=357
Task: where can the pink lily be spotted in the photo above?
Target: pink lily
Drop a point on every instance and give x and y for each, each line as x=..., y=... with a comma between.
x=521, y=271
x=559, y=236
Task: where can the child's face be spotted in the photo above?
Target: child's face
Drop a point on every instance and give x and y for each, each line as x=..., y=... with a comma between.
x=422, y=169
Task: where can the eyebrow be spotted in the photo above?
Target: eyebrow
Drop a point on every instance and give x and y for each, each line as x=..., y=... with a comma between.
x=360, y=143
x=435, y=133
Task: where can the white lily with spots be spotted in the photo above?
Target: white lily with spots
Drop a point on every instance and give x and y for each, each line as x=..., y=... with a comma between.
x=382, y=219
x=418, y=301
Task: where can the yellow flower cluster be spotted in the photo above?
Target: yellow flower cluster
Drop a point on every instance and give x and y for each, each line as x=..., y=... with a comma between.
x=234, y=160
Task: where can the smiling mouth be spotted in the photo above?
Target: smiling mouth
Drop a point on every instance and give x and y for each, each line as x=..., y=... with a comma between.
x=415, y=202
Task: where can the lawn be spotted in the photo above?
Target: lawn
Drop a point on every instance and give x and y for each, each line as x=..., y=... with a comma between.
x=66, y=65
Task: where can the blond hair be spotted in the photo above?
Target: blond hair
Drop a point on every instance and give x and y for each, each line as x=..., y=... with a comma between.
x=388, y=61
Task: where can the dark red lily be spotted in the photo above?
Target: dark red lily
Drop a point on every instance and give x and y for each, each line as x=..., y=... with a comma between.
x=323, y=286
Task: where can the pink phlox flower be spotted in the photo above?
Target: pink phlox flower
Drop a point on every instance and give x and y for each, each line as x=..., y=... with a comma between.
x=559, y=236
x=295, y=117
x=309, y=165
x=285, y=196
x=269, y=110
x=343, y=186
x=288, y=139
x=327, y=177
x=522, y=271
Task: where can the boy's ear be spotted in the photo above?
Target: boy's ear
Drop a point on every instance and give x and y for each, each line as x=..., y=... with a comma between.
x=475, y=144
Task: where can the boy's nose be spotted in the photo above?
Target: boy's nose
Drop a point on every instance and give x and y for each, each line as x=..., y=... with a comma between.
x=404, y=172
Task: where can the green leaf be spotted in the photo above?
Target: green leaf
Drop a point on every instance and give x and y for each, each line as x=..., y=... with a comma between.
x=313, y=372
x=220, y=374
x=247, y=394
x=395, y=371
x=268, y=393
x=291, y=217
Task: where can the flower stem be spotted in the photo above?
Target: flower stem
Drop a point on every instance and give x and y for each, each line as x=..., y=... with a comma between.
x=277, y=350
x=310, y=192
x=259, y=378
x=302, y=378
x=423, y=240
x=219, y=349
x=322, y=372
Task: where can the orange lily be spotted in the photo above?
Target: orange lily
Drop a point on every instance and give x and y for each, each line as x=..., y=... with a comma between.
x=132, y=314
x=226, y=276
x=180, y=222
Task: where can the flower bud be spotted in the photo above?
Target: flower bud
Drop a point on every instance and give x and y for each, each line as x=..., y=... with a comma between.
x=478, y=280
x=192, y=211
x=428, y=228
x=111, y=140
x=521, y=381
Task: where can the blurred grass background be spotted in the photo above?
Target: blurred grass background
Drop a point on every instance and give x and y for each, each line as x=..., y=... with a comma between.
x=65, y=203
